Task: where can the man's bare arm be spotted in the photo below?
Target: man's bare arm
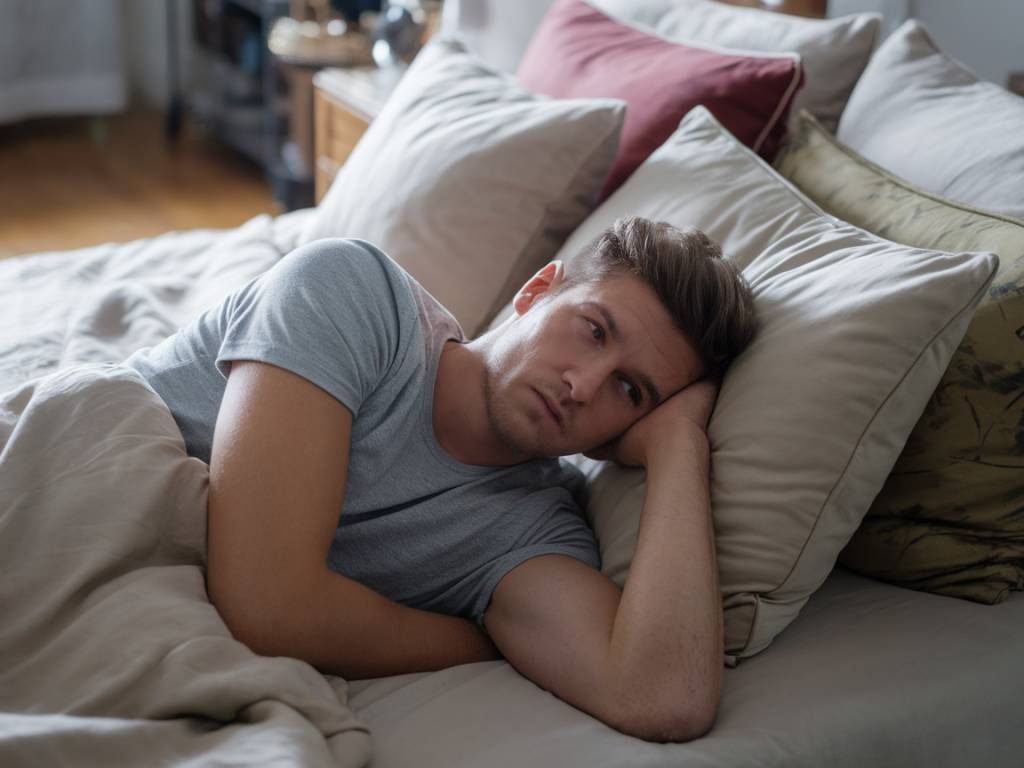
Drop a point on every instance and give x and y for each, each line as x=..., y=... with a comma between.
x=646, y=660
x=278, y=473
x=667, y=639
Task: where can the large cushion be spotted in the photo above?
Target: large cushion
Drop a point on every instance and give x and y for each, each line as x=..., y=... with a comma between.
x=469, y=181
x=578, y=51
x=948, y=518
x=833, y=52
x=855, y=333
x=928, y=119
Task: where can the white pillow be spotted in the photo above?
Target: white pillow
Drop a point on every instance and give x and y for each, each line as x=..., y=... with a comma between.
x=469, y=181
x=928, y=119
x=855, y=332
x=833, y=52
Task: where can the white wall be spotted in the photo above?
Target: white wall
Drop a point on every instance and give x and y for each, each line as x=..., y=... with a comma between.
x=144, y=25
x=985, y=35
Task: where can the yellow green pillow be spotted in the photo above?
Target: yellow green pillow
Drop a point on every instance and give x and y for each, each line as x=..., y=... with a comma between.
x=950, y=517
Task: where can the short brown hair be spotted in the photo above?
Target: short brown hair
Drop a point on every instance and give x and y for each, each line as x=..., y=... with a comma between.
x=706, y=295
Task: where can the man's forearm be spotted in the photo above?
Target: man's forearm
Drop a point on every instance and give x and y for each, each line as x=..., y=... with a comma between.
x=343, y=627
x=666, y=643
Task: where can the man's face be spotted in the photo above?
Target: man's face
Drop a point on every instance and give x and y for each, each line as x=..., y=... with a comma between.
x=595, y=368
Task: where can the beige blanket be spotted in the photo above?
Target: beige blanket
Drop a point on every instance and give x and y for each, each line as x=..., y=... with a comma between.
x=110, y=652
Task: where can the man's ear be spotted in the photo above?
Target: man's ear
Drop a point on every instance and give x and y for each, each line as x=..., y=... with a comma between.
x=548, y=277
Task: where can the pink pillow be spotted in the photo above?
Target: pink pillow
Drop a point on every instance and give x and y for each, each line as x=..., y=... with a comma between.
x=578, y=51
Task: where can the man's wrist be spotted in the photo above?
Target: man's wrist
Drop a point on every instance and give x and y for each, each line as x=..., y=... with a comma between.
x=686, y=443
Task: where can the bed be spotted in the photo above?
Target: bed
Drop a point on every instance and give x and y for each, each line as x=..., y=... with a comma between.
x=850, y=652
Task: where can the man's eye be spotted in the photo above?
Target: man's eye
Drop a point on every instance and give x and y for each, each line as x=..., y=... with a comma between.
x=633, y=392
x=598, y=333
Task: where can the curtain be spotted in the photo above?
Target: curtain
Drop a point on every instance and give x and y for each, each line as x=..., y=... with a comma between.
x=60, y=57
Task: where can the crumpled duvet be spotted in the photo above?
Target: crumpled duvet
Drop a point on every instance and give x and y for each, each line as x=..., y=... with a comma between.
x=110, y=652
x=100, y=304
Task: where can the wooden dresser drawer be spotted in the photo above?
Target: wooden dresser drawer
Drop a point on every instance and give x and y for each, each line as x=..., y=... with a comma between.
x=345, y=102
x=337, y=130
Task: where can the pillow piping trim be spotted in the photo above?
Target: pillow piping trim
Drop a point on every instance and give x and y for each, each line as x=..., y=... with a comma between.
x=776, y=177
x=843, y=475
x=902, y=183
x=914, y=25
x=785, y=102
x=691, y=43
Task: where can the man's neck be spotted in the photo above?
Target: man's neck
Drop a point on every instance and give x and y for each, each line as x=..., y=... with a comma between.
x=460, y=421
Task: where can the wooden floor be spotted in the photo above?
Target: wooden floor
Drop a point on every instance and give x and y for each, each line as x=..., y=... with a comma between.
x=72, y=182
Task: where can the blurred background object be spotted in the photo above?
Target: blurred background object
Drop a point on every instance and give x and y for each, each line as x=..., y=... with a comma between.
x=111, y=108
x=311, y=37
x=59, y=58
x=404, y=26
x=122, y=119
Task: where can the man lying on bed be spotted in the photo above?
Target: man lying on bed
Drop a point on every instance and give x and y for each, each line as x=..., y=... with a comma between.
x=375, y=478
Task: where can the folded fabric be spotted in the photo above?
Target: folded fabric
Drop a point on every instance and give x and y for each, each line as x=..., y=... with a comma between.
x=99, y=304
x=948, y=519
x=579, y=51
x=110, y=651
x=833, y=52
x=854, y=334
x=469, y=181
x=925, y=117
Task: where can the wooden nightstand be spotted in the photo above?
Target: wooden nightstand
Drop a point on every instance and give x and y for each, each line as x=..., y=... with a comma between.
x=345, y=102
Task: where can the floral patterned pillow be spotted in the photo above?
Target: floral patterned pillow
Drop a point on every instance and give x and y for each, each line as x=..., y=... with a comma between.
x=950, y=517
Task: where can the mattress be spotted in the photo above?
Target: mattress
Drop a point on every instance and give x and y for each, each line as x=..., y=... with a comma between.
x=869, y=674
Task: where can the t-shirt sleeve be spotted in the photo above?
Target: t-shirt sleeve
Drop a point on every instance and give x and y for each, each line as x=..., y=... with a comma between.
x=564, y=531
x=327, y=311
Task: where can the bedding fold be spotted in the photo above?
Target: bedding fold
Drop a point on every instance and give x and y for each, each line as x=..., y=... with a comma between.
x=110, y=651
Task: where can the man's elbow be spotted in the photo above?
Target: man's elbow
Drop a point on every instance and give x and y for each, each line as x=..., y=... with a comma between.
x=251, y=617
x=671, y=723
x=667, y=729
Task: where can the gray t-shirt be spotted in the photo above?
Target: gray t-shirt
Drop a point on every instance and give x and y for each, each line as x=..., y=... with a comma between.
x=416, y=525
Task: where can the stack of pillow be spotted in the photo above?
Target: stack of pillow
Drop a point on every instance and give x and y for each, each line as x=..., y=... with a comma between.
x=473, y=178
x=923, y=146
x=479, y=173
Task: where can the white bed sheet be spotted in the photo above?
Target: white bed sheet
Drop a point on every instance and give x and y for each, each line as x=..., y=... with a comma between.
x=100, y=304
x=869, y=674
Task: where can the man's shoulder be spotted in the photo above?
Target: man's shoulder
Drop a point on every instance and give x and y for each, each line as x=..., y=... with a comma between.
x=354, y=272
x=347, y=256
x=377, y=277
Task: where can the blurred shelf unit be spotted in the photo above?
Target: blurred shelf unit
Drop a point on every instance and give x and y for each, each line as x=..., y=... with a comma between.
x=238, y=93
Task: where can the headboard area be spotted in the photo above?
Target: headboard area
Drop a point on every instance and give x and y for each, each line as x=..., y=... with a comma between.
x=814, y=9
x=498, y=30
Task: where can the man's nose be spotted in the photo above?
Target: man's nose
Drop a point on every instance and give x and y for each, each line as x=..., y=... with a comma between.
x=584, y=381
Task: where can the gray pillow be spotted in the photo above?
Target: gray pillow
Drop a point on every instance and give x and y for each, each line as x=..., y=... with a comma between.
x=855, y=333
x=833, y=52
x=928, y=119
x=469, y=181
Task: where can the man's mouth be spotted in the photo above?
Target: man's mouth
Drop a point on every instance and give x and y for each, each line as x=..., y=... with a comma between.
x=551, y=409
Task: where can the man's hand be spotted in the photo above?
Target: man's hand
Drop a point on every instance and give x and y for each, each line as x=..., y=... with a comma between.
x=689, y=408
